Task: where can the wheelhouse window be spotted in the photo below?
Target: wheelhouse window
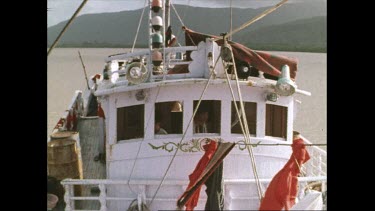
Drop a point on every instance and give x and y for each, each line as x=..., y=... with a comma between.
x=207, y=118
x=276, y=120
x=168, y=118
x=251, y=117
x=130, y=122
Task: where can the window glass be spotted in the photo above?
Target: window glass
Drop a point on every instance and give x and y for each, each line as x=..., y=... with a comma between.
x=207, y=118
x=168, y=117
x=251, y=117
x=276, y=120
x=130, y=122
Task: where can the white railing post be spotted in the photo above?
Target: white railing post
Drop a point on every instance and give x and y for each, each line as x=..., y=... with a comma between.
x=103, y=197
x=227, y=198
x=319, y=166
x=310, y=166
x=68, y=206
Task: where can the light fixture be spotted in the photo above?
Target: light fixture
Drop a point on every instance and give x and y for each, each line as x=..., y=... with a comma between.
x=156, y=5
x=176, y=107
x=157, y=40
x=285, y=86
x=140, y=95
x=157, y=23
x=271, y=96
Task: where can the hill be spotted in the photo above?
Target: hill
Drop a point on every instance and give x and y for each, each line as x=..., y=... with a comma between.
x=301, y=35
x=118, y=29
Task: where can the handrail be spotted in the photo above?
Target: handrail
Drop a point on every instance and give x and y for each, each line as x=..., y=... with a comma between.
x=103, y=198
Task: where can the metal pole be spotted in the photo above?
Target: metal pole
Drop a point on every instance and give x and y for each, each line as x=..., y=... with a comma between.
x=66, y=26
x=231, y=15
x=167, y=13
x=84, y=69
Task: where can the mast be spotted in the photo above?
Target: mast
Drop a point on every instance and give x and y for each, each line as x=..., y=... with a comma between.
x=167, y=13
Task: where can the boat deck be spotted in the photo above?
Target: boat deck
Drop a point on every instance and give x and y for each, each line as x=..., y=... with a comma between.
x=89, y=141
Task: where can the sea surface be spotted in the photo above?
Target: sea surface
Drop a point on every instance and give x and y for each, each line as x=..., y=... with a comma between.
x=65, y=75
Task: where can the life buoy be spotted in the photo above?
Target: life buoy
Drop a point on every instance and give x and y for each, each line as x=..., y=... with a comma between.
x=137, y=73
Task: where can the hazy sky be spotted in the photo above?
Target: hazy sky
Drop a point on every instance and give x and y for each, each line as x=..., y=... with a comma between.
x=61, y=10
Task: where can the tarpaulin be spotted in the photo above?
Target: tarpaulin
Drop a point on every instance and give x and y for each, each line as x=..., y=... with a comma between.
x=261, y=60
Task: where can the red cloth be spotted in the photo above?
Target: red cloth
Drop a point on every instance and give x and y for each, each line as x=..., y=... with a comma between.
x=210, y=149
x=100, y=111
x=282, y=191
x=263, y=61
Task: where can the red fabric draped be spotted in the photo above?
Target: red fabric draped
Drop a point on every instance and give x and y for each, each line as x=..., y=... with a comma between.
x=263, y=61
x=210, y=149
x=100, y=111
x=282, y=191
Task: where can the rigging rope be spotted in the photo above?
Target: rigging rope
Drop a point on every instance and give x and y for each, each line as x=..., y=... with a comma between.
x=249, y=147
x=183, y=135
x=66, y=27
x=256, y=18
x=140, y=145
x=244, y=126
x=139, y=25
x=182, y=23
x=185, y=12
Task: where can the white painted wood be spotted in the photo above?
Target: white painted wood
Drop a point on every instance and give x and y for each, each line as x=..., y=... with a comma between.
x=290, y=120
x=102, y=197
x=225, y=116
x=261, y=120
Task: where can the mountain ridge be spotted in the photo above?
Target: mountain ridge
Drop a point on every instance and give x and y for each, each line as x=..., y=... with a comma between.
x=118, y=29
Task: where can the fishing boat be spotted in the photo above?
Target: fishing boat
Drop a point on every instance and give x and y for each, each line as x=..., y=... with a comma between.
x=187, y=127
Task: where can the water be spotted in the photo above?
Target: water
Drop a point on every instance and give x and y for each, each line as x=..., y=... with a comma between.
x=65, y=75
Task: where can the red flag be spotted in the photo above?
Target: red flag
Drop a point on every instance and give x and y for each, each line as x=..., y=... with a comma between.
x=210, y=149
x=282, y=191
x=263, y=61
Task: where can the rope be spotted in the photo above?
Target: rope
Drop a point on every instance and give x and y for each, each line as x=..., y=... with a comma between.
x=139, y=25
x=249, y=147
x=183, y=136
x=139, y=148
x=178, y=16
x=66, y=27
x=256, y=18
x=245, y=136
x=182, y=23
x=185, y=12
x=255, y=145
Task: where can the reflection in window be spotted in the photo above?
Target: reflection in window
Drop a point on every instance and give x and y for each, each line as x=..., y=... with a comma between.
x=130, y=122
x=168, y=118
x=207, y=118
x=276, y=120
x=251, y=117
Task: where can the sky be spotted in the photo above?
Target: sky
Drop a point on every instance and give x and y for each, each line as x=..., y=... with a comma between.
x=61, y=10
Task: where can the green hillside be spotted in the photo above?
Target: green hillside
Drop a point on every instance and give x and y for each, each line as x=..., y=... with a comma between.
x=118, y=29
x=301, y=35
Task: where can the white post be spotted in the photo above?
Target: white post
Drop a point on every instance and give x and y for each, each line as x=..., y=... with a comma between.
x=102, y=197
x=68, y=202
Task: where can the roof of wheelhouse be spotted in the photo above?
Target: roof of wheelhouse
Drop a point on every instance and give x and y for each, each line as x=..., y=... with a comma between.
x=110, y=88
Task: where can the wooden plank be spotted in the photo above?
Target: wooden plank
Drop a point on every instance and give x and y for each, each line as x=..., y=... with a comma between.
x=89, y=137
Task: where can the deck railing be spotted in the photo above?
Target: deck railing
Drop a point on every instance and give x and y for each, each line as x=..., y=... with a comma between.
x=69, y=119
x=317, y=165
x=142, y=185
